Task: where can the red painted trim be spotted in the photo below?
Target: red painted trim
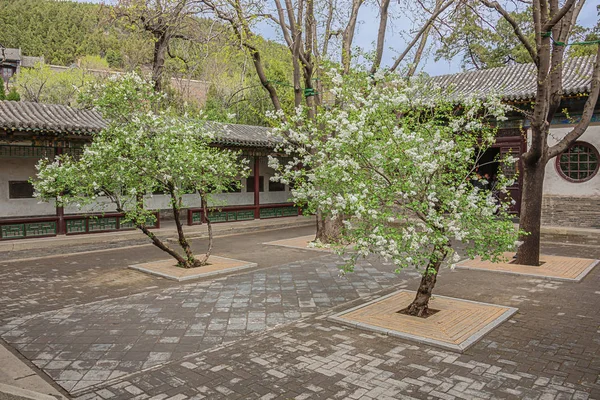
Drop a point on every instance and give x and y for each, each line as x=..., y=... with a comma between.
x=61, y=226
x=189, y=217
x=256, y=187
x=157, y=226
x=27, y=220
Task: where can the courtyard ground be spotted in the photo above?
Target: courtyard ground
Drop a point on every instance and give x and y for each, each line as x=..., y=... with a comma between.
x=100, y=331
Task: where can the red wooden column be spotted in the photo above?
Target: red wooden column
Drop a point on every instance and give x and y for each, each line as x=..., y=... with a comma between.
x=256, y=187
x=61, y=228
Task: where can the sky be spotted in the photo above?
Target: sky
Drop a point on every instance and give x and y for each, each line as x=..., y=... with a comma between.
x=366, y=35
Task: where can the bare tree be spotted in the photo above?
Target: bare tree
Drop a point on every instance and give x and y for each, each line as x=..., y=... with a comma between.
x=552, y=23
x=165, y=20
x=308, y=28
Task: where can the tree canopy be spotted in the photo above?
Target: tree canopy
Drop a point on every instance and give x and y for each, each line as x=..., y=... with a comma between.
x=145, y=148
x=483, y=41
x=65, y=33
x=394, y=161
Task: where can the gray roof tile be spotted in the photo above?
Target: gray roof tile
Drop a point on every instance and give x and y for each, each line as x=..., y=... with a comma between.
x=54, y=118
x=9, y=54
x=517, y=82
x=29, y=116
x=245, y=135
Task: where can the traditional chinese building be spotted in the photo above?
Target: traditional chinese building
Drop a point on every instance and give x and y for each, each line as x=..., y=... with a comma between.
x=11, y=61
x=571, y=182
x=31, y=131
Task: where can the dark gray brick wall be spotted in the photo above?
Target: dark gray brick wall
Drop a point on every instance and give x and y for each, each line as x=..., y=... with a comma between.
x=580, y=212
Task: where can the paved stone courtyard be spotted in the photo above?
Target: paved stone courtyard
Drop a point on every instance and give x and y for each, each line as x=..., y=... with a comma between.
x=264, y=334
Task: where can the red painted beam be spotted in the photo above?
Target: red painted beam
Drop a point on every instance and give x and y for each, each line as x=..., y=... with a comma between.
x=256, y=187
x=61, y=226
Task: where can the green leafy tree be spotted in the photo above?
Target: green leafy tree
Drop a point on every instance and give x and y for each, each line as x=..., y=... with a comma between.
x=61, y=31
x=94, y=62
x=143, y=149
x=394, y=161
x=199, y=49
x=2, y=91
x=114, y=58
x=42, y=84
x=586, y=35
x=482, y=44
x=13, y=95
x=484, y=41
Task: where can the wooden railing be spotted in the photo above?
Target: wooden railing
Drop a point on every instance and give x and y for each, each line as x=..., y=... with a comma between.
x=97, y=223
x=37, y=227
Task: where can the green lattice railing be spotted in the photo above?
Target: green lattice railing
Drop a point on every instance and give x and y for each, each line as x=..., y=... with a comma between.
x=276, y=212
x=231, y=215
x=27, y=230
x=91, y=224
x=48, y=226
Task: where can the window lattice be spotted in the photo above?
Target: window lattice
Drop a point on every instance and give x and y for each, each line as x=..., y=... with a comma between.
x=579, y=163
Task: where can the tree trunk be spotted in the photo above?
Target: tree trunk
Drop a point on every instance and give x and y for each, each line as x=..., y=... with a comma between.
x=158, y=243
x=204, y=261
x=328, y=230
x=420, y=305
x=192, y=262
x=531, y=212
x=158, y=62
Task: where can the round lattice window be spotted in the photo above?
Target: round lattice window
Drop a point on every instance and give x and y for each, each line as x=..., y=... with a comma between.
x=579, y=163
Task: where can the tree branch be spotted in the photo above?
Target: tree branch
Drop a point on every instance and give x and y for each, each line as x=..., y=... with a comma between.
x=588, y=111
x=419, y=34
x=547, y=27
x=495, y=5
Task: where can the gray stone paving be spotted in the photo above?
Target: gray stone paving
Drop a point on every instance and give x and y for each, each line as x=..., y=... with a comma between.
x=550, y=350
x=319, y=360
x=87, y=345
x=43, y=284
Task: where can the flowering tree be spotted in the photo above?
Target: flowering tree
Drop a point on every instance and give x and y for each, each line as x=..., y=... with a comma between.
x=396, y=160
x=142, y=150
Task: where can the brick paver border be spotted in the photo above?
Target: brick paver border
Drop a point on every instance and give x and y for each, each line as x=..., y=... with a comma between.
x=472, y=328
x=217, y=266
x=568, y=269
x=301, y=242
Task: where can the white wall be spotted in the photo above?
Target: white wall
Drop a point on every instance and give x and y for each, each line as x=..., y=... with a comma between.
x=267, y=197
x=555, y=184
x=101, y=205
x=20, y=169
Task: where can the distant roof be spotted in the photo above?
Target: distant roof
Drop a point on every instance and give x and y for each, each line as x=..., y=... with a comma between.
x=241, y=135
x=10, y=54
x=30, y=61
x=54, y=118
x=518, y=81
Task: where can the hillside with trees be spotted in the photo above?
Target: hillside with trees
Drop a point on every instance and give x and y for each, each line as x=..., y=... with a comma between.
x=66, y=32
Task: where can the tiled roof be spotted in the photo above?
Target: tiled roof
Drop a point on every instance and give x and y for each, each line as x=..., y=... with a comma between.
x=242, y=135
x=517, y=82
x=28, y=116
x=10, y=54
x=30, y=61
x=54, y=118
